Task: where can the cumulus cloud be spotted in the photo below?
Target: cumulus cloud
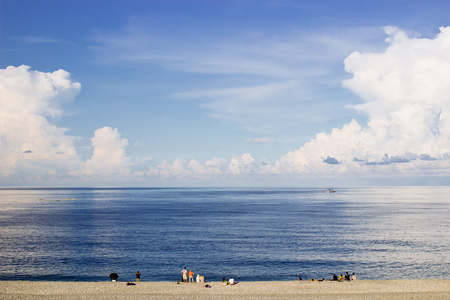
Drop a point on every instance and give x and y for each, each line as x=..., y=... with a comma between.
x=33, y=148
x=242, y=165
x=109, y=156
x=215, y=168
x=406, y=94
x=31, y=102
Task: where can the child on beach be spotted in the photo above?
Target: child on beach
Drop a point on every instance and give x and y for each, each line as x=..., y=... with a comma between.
x=191, y=276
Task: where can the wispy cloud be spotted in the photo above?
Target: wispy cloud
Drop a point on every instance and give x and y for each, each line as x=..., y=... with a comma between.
x=38, y=39
x=262, y=140
x=282, y=78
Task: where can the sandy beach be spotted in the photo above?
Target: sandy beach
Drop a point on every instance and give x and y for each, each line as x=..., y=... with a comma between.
x=361, y=289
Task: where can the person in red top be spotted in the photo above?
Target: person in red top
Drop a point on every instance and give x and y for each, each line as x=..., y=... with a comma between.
x=191, y=276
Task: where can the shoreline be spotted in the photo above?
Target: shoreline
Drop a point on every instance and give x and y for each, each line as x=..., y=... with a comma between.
x=359, y=289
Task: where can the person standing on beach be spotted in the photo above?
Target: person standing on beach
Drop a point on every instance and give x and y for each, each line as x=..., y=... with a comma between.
x=191, y=276
x=184, y=272
x=138, y=276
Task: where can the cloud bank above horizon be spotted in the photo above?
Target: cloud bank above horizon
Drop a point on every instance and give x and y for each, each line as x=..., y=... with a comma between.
x=405, y=93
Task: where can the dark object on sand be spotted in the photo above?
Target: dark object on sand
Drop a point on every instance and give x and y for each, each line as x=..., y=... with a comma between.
x=113, y=276
x=207, y=286
x=131, y=283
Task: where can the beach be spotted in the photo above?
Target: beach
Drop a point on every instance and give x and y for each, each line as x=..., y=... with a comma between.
x=360, y=289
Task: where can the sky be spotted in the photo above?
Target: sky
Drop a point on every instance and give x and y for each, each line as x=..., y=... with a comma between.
x=224, y=93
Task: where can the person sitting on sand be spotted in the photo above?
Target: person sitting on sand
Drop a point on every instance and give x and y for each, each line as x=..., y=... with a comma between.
x=231, y=281
x=341, y=278
x=299, y=279
x=334, y=277
x=224, y=281
x=353, y=276
x=347, y=276
x=113, y=277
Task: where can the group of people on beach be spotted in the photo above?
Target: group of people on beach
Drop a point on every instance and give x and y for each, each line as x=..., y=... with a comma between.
x=188, y=276
x=185, y=275
x=229, y=282
x=345, y=277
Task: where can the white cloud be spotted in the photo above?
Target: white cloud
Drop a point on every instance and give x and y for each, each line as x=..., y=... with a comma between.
x=33, y=148
x=31, y=101
x=406, y=90
x=212, y=169
x=216, y=166
x=243, y=165
x=277, y=79
x=272, y=101
x=109, y=156
x=38, y=39
x=262, y=140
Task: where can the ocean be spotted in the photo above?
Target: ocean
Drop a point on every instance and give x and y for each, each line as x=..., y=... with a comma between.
x=251, y=234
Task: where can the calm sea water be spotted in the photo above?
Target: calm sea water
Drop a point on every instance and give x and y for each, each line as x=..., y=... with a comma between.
x=250, y=234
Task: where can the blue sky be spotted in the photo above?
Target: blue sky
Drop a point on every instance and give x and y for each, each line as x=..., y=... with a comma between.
x=224, y=93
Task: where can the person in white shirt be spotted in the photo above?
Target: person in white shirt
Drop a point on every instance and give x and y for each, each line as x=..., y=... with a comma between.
x=231, y=281
x=184, y=272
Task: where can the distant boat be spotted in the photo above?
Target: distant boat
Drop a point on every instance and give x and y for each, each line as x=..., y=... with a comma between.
x=331, y=191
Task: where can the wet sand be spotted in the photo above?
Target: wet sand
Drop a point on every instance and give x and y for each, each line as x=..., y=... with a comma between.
x=360, y=289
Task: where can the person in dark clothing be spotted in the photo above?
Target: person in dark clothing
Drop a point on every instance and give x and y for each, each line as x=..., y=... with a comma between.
x=347, y=276
x=138, y=276
x=113, y=277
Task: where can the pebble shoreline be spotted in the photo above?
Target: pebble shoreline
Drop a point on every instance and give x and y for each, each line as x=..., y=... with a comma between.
x=360, y=289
